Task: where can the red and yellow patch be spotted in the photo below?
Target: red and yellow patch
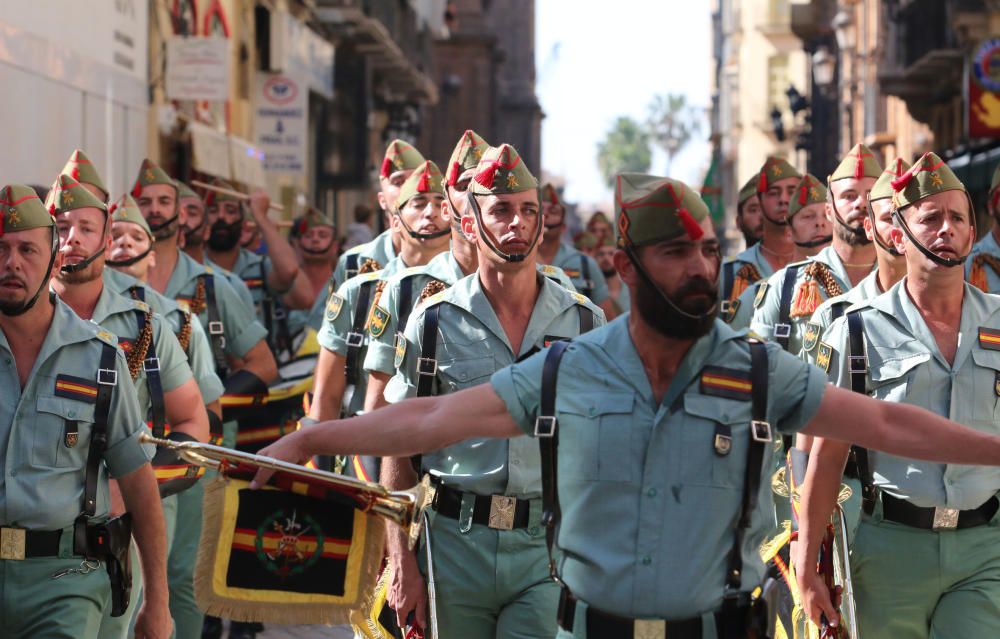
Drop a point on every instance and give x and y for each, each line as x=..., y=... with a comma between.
x=254, y=282
x=726, y=382
x=989, y=338
x=77, y=388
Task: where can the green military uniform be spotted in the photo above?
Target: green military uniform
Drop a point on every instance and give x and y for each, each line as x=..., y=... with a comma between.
x=820, y=277
x=583, y=271
x=235, y=281
x=648, y=505
x=491, y=582
x=983, y=266
x=926, y=558
x=46, y=436
x=445, y=270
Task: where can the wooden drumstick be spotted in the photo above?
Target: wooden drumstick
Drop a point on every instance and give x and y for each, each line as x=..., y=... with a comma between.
x=242, y=196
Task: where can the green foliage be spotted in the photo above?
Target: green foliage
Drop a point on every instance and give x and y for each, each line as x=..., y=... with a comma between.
x=625, y=149
x=671, y=124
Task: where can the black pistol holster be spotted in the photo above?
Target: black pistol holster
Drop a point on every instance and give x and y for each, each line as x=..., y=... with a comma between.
x=107, y=541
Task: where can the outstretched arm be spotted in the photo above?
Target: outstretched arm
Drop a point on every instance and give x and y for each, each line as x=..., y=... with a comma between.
x=900, y=429
x=400, y=430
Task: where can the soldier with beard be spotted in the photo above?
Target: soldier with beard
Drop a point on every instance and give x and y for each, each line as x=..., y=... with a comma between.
x=646, y=426
x=749, y=218
x=616, y=289
x=274, y=280
x=63, y=381
x=785, y=303
x=195, y=230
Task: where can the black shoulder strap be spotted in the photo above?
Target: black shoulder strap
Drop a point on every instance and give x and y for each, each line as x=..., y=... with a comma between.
x=350, y=266
x=216, y=329
x=427, y=364
x=356, y=338
x=783, y=328
x=760, y=438
x=151, y=365
x=588, y=284
x=267, y=307
x=857, y=363
x=728, y=278
x=107, y=379
x=837, y=310
x=586, y=318
x=139, y=292
x=547, y=432
x=405, y=303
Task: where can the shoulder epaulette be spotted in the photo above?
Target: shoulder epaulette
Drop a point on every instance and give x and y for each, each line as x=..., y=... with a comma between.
x=548, y=269
x=106, y=336
x=434, y=299
x=140, y=305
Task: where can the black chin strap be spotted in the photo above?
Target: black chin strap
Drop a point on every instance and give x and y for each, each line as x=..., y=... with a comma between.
x=316, y=251
x=157, y=227
x=129, y=261
x=814, y=243
x=79, y=266
x=485, y=234
x=891, y=250
x=859, y=231
x=45, y=281
x=630, y=251
x=421, y=236
x=937, y=259
x=763, y=214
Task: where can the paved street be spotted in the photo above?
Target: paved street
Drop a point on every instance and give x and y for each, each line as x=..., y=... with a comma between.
x=306, y=632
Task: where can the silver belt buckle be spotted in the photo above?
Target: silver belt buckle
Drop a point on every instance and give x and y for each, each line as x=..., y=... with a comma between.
x=649, y=629
x=945, y=518
x=502, y=512
x=12, y=543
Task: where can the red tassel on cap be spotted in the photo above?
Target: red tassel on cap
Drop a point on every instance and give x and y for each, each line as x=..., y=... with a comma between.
x=488, y=174
x=386, y=167
x=693, y=230
x=137, y=189
x=453, y=173
x=423, y=185
x=762, y=180
x=75, y=172
x=804, y=194
x=900, y=183
x=210, y=198
x=859, y=166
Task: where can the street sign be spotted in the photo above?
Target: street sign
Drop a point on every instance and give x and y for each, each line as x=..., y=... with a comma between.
x=281, y=105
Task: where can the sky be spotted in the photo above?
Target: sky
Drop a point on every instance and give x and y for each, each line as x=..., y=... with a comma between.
x=597, y=61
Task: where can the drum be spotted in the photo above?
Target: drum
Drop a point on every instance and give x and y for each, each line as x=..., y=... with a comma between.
x=282, y=409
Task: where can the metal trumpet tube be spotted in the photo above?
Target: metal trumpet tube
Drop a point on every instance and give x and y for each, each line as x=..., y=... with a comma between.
x=403, y=507
x=842, y=572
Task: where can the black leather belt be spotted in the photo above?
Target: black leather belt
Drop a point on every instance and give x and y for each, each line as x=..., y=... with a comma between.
x=604, y=624
x=18, y=543
x=496, y=511
x=903, y=512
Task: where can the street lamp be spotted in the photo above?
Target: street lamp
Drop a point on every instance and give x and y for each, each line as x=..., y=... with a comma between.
x=824, y=67
x=843, y=28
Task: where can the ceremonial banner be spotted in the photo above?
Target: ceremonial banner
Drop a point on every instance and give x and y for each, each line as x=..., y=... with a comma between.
x=984, y=90
x=302, y=554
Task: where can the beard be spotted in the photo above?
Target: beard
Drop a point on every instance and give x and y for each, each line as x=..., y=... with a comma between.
x=663, y=312
x=608, y=273
x=849, y=237
x=193, y=237
x=224, y=237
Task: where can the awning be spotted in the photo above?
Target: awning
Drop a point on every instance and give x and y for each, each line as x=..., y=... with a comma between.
x=226, y=156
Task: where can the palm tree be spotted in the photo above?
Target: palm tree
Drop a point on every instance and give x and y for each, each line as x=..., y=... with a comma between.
x=672, y=122
x=625, y=149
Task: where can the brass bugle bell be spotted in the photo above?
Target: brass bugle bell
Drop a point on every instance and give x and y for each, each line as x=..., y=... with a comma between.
x=402, y=507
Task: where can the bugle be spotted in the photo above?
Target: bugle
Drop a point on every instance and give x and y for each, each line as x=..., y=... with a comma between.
x=403, y=507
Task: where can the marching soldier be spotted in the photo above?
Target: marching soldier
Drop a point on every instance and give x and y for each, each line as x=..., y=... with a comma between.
x=489, y=548
x=890, y=267
x=581, y=269
x=657, y=518
x=773, y=188
x=355, y=311
x=165, y=388
x=983, y=269
x=131, y=251
x=407, y=288
x=926, y=557
x=786, y=302
x=616, y=288
x=399, y=162
x=239, y=349
x=71, y=422
x=749, y=219
x=316, y=245
x=600, y=226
